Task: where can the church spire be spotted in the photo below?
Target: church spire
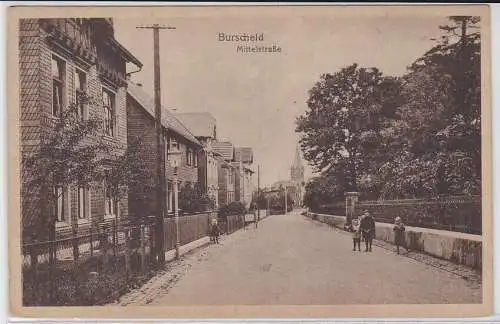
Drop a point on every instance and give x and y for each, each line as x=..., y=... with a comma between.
x=297, y=169
x=298, y=161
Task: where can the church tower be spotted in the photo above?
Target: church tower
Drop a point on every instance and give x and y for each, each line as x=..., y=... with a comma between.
x=297, y=178
x=297, y=169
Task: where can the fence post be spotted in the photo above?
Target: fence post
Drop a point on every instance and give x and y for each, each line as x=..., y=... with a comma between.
x=104, y=247
x=91, y=241
x=115, y=236
x=34, y=268
x=153, y=244
x=143, y=249
x=52, y=259
x=127, y=251
x=351, y=202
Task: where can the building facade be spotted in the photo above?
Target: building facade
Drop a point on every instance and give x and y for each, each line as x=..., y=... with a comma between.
x=60, y=60
x=243, y=160
x=181, y=149
x=226, y=171
x=204, y=127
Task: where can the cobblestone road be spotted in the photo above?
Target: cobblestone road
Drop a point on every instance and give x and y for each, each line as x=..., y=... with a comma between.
x=296, y=261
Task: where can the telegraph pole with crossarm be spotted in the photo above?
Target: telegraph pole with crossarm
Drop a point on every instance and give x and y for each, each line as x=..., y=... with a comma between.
x=160, y=146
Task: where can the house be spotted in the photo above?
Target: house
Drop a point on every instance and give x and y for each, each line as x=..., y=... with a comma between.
x=235, y=183
x=181, y=148
x=226, y=171
x=60, y=59
x=204, y=127
x=243, y=159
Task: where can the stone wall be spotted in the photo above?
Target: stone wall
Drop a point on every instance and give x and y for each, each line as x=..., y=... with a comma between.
x=461, y=248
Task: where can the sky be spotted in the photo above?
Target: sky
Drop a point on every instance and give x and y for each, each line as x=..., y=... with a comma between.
x=256, y=97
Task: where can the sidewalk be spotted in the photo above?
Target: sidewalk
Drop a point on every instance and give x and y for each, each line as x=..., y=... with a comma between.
x=190, y=254
x=463, y=271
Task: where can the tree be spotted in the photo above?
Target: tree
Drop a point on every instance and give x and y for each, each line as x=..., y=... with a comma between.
x=260, y=200
x=322, y=190
x=69, y=153
x=436, y=138
x=277, y=200
x=340, y=129
x=129, y=171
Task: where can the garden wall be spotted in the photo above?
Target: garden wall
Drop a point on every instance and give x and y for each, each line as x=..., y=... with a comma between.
x=458, y=247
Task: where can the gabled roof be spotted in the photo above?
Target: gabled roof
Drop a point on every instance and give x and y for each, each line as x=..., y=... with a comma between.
x=226, y=149
x=201, y=124
x=168, y=120
x=243, y=154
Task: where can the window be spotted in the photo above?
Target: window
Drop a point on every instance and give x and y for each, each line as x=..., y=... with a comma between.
x=195, y=159
x=109, y=201
x=59, y=206
x=80, y=91
x=190, y=157
x=58, y=74
x=83, y=205
x=108, y=99
x=174, y=145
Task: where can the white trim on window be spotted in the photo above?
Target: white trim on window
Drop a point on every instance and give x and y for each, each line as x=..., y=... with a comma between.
x=109, y=203
x=110, y=130
x=62, y=79
x=83, y=111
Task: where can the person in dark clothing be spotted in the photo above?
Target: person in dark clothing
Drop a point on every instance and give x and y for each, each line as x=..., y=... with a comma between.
x=367, y=227
x=399, y=233
x=214, y=232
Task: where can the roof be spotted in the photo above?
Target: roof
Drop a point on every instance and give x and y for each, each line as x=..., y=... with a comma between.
x=243, y=154
x=125, y=53
x=224, y=148
x=168, y=120
x=248, y=169
x=201, y=124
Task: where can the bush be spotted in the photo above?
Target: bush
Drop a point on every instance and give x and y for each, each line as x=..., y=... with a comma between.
x=234, y=208
x=193, y=200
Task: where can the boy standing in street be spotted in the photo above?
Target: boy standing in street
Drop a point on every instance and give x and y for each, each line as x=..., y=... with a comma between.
x=215, y=231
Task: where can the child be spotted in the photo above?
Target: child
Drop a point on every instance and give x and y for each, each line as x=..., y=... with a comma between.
x=399, y=233
x=356, y=234
x=214, y=233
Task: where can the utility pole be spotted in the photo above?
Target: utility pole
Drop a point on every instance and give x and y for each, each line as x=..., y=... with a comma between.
x=160, y=147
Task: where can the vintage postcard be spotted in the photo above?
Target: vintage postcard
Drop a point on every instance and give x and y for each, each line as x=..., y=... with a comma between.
x=250, y=161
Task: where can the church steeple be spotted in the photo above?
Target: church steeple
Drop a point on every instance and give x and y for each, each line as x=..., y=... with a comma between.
x=297, y=169
x=298, y=161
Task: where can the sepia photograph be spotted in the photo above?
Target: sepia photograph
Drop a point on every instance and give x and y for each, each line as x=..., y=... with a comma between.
x=237, y=161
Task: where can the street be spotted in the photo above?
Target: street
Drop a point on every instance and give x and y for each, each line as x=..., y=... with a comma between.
x=291, y=260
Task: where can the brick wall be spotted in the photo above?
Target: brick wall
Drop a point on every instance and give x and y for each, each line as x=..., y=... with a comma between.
x=140, y=124
x=29, y=78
